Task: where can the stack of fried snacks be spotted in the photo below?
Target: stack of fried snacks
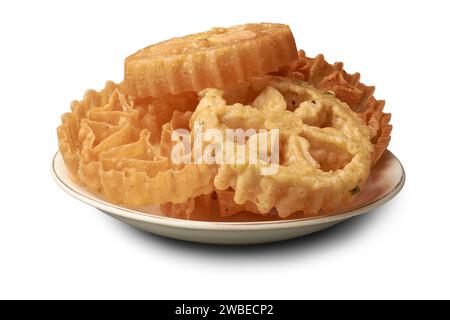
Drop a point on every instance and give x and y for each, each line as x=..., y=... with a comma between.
x=117, y=142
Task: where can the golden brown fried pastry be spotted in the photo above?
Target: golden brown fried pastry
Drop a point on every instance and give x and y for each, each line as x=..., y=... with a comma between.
x=106, y=145
x=213, y=59
x=324, y=147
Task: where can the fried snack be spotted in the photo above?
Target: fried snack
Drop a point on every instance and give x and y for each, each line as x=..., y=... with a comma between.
x=349, y=89
x=213, y=59
x=107, y=148
x=325, y=149
x=69, y=131
x=346, y=87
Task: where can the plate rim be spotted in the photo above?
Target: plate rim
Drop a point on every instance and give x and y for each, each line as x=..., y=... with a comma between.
x=135, y=215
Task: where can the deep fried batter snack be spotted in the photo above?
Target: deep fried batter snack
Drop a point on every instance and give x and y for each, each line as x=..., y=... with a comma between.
x=332, y=77
x=347, y=87
x=106, y=146
x=213, y=59
x=325, y=148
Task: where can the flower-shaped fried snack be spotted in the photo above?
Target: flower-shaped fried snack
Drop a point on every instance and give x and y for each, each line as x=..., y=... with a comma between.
x=324, y=147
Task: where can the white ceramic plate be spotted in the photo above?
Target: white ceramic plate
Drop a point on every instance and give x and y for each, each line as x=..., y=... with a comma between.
x=386, y=180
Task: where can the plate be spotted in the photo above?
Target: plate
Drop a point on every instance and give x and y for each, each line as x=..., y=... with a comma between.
x=386, y=180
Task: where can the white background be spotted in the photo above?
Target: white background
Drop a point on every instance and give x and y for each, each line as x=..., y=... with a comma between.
x=52, y=246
